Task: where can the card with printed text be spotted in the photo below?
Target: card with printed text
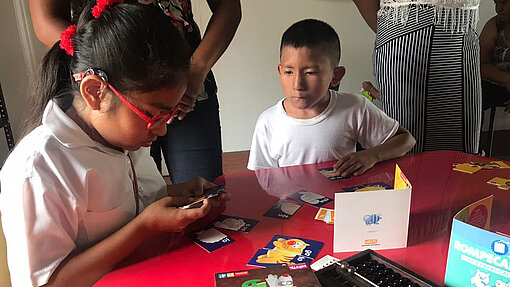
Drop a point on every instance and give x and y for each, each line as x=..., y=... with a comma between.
x=235, y=223
x=310, y=198
x=210, y=239
x=328, y=172
x=283, y=209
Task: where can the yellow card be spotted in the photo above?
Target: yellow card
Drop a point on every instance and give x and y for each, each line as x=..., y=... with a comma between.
x=498, y=181
x=401, y=181
x=501, y=164
x=326, y=215
x=468, y=167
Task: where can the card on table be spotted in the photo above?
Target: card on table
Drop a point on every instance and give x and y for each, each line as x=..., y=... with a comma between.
x=310, y=198
x=299, y=246
x=472, y=167
x=210, y=239
x=235, y=223
x=367, y=187
x=283, y=209
x=286, y=250
x=328, y=172
x=267, y=258
x=501, y=183
x=325, y=214
x=293, y=275
x=324, y=262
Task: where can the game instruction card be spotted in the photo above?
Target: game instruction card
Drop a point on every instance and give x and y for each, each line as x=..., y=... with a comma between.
x=235, y=223
x=210, y=239
x=283, y=209
x=286, y=250
x=373, y=219
x=310, y=198
x=299, y=275
x=328, y=172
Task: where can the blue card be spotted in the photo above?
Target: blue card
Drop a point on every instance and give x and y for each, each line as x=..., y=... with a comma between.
x=210, y=239
x=283, y=209
x=235, y=223
x=368, y=187
x=328, y=172
x=270, y=258
x=295, y=245
x=310, y=198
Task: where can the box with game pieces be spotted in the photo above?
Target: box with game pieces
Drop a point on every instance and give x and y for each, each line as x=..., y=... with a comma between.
x=367, y=269
x=299, y=275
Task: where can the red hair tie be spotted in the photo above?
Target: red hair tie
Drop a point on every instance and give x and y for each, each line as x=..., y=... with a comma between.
x=102, y=5
x=66, y=42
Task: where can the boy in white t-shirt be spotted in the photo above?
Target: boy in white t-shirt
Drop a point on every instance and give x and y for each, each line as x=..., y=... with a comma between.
x=314, y=124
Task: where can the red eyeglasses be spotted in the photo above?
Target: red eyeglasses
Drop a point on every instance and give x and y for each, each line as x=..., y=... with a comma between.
x=152, y=123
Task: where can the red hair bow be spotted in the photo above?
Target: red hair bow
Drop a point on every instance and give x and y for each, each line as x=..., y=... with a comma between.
x=102, y=5
x=66, y=42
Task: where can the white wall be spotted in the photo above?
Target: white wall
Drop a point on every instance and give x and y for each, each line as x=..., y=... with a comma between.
x=246, y=74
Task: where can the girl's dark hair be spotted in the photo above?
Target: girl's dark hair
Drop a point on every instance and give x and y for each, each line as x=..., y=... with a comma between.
x=136, y=45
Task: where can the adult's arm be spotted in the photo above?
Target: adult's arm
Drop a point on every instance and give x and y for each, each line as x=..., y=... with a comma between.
x=488, y=69
x=226, y=15
x=50, y=18
x=368, y=10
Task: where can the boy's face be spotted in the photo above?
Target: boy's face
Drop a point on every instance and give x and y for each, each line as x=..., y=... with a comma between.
x=306, y=74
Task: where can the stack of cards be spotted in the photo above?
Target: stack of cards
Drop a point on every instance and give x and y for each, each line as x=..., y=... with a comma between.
x=367, y=187
x=286, y=250
x=283, y=209
x=472, y=167
x=328, y=172
x=235, y=223
x=501, y=183
x=210, y=239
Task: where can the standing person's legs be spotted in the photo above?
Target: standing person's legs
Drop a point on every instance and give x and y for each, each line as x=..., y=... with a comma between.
x=192, y=147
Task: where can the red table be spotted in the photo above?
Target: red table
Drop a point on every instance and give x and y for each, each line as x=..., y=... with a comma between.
x=438, y=193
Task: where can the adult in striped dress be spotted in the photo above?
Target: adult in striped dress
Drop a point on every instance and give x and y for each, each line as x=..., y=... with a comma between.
x=427, y=64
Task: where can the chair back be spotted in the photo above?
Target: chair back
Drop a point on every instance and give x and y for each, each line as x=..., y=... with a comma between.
x=4, y=122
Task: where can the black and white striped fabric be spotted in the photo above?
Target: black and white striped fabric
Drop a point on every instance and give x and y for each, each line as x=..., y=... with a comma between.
x=429, y=79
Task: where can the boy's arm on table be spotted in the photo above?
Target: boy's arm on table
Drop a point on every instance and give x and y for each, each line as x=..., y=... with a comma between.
x=226, y=15
x=368, y=10
x=87, y=267
x=359, y=162
x=50, y=18
x=488, y=69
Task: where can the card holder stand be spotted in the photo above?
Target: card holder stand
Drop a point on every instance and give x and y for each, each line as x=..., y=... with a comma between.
x=368, y=269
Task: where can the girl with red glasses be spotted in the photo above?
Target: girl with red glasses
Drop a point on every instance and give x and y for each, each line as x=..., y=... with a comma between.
x=80, y=192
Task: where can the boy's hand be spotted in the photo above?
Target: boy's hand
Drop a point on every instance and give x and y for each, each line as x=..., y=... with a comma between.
x=163, y=215
x=191, y=188
x=355, y=163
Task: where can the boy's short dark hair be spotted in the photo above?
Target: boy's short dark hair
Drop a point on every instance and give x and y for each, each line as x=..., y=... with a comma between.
x=313, y=33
